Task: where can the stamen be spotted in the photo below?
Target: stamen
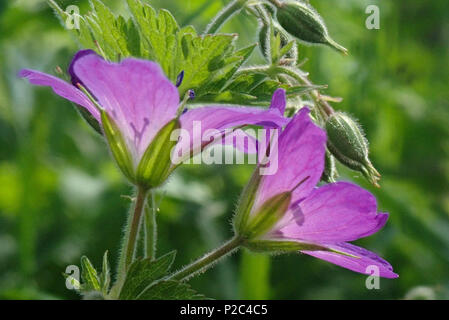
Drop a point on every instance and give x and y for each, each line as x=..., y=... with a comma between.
x=300, y=183
x=62, y=74
x=180, y=78
x=59, y=70
x=182, y=107
x=87, y=93
x=100, y=50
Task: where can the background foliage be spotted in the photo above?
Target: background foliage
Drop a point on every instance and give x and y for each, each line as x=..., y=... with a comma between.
x=60, y=194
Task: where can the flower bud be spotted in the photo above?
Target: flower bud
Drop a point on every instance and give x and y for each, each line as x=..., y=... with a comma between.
x=266, y=217
x=346, y=141
x=302, y=21
x=265, y=41
x=330, y=173
x=118, y=146
x=154, y=167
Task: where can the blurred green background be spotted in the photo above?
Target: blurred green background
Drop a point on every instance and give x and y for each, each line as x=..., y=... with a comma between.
x=60, y=193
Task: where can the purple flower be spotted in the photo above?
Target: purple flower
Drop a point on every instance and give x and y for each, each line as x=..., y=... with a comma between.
x=140, y=100
x=319, y=221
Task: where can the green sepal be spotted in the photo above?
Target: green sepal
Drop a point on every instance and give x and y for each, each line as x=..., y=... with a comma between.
x=88, y=117
x=260, y=222
x=246, y=202
x=155, y=165
x=117, y=146
x=281, y=246
x=89, y=276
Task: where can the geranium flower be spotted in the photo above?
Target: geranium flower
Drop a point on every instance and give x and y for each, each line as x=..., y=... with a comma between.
x=287, y=212
x=134, y=101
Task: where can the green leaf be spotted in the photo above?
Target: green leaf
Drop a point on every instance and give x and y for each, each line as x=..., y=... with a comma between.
x=210, y=62
x=208, y=57
x=105, y=276
x=158, y=32
x=239, y=58
x=89, y=275
x=170, y=290
x=109, y=27
x=143, y=273
x=284, y=50
x=133, y=37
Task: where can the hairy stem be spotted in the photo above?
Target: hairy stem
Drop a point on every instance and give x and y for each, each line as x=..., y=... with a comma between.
x=231, y=9
x=129, y=241
x=208, y=260
x=151, y=228
x=276, y=3
x=134, y=227
x=324, y=107
x=130, y=237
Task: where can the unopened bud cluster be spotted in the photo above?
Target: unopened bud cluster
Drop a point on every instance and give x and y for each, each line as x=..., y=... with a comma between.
x=346, y=141
x=302, y=21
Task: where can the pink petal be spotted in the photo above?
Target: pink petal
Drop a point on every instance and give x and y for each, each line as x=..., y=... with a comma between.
x=134, y=92
x=300, y=155
x=196, y=122
x=279, y=100
x=336, y=212
x=363, y=262
x=61, y=88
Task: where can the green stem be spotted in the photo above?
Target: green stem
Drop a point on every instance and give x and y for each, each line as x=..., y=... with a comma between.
x=231, y=9
x=134, y=227
x=276, y=3
x=324, y=107
x=151, y=228
x=130, y=237
x=208, y=260
x=129, y=242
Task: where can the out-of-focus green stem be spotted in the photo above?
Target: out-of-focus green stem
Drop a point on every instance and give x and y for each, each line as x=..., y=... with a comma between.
x=277, y=3
x=231, y=9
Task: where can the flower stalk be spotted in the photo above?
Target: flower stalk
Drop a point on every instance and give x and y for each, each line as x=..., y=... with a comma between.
x=207, y=261
x=150, y=228
x=233, y=8
x=132, y=230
